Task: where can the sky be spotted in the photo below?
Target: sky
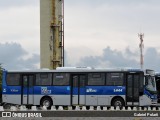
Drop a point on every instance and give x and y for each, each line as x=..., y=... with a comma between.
x=98, y=33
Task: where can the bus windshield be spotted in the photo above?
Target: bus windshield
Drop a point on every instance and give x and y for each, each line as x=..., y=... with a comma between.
x=151, y=84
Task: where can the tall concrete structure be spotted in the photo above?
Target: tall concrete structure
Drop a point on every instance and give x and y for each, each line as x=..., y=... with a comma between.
x=51, y=33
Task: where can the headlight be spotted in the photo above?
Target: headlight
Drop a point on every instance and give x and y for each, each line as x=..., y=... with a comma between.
x=154, y=97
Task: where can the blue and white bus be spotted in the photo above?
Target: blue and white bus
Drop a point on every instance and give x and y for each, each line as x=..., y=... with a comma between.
x=80, y=86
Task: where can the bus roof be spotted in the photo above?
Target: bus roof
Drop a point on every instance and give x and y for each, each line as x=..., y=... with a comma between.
x=79, y=69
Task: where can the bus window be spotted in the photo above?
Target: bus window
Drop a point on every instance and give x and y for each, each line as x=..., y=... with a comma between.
x=75, y=79
x=141, y=85
x=115, y=79
x=61, y=79
x=28, y=80
x=82, y=80
x=25, y=81
x=13, y=79
x=31, y=79
x=44, y=79
x=96, y=79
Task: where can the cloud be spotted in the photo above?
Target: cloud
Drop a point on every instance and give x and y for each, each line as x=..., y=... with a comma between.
x=10, y=3
x=13, y=56
x=114, y=2
x=152, y=59
x=21, y=24
x=127, y=58
x=109, y=58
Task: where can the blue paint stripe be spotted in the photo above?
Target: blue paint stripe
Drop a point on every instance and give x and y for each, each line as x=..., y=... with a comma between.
x=66, y=90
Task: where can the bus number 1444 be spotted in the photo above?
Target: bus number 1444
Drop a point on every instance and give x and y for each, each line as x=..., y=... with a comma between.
x=117, y=90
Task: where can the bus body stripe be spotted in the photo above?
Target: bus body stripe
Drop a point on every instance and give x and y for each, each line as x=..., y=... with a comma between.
x=66, y=90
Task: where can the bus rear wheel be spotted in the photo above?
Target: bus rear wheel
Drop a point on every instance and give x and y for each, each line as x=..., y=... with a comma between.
x=47, y=102
x=118, y=102
x=7, y=106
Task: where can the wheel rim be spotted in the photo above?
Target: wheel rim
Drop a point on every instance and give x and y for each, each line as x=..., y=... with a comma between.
x=46, y=103
x=8, y=106
x=118, y=103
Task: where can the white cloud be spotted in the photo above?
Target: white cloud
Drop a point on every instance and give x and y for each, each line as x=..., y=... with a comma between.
x=21, y=24
x=16, y=3
x=12, y=57
x=113, y=58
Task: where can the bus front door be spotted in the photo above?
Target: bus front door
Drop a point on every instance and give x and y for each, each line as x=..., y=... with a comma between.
x=27, y=89
x=132, y=89
x=78, y=90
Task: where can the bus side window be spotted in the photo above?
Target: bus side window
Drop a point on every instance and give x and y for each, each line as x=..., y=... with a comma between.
x=75, y=79
x=25, y=81
x=44, y=79
x=13, y=79
x=96, y=79
x=61, y=79
x=31, y=78
x=115, y=79
x=82, y=81
x=141, y=85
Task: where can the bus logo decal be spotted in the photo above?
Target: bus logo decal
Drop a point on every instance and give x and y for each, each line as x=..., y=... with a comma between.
x=14, y=90
x=44, y=90
x=4, y=90
x=68, y=88
x=91, y=90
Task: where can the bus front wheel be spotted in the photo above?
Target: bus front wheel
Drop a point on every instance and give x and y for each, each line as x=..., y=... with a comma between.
x=118, y=102
x=46, y=102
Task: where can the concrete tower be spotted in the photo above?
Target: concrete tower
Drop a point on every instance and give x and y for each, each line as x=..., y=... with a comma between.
x=51, y=33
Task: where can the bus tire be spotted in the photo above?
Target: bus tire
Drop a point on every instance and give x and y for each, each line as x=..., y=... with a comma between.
x=47, y=102
x=118, y=102
x=7, y=106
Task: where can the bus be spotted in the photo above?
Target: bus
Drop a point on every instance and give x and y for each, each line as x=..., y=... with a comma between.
x=83, y=86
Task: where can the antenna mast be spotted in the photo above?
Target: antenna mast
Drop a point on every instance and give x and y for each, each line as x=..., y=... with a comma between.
x=141, y=46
